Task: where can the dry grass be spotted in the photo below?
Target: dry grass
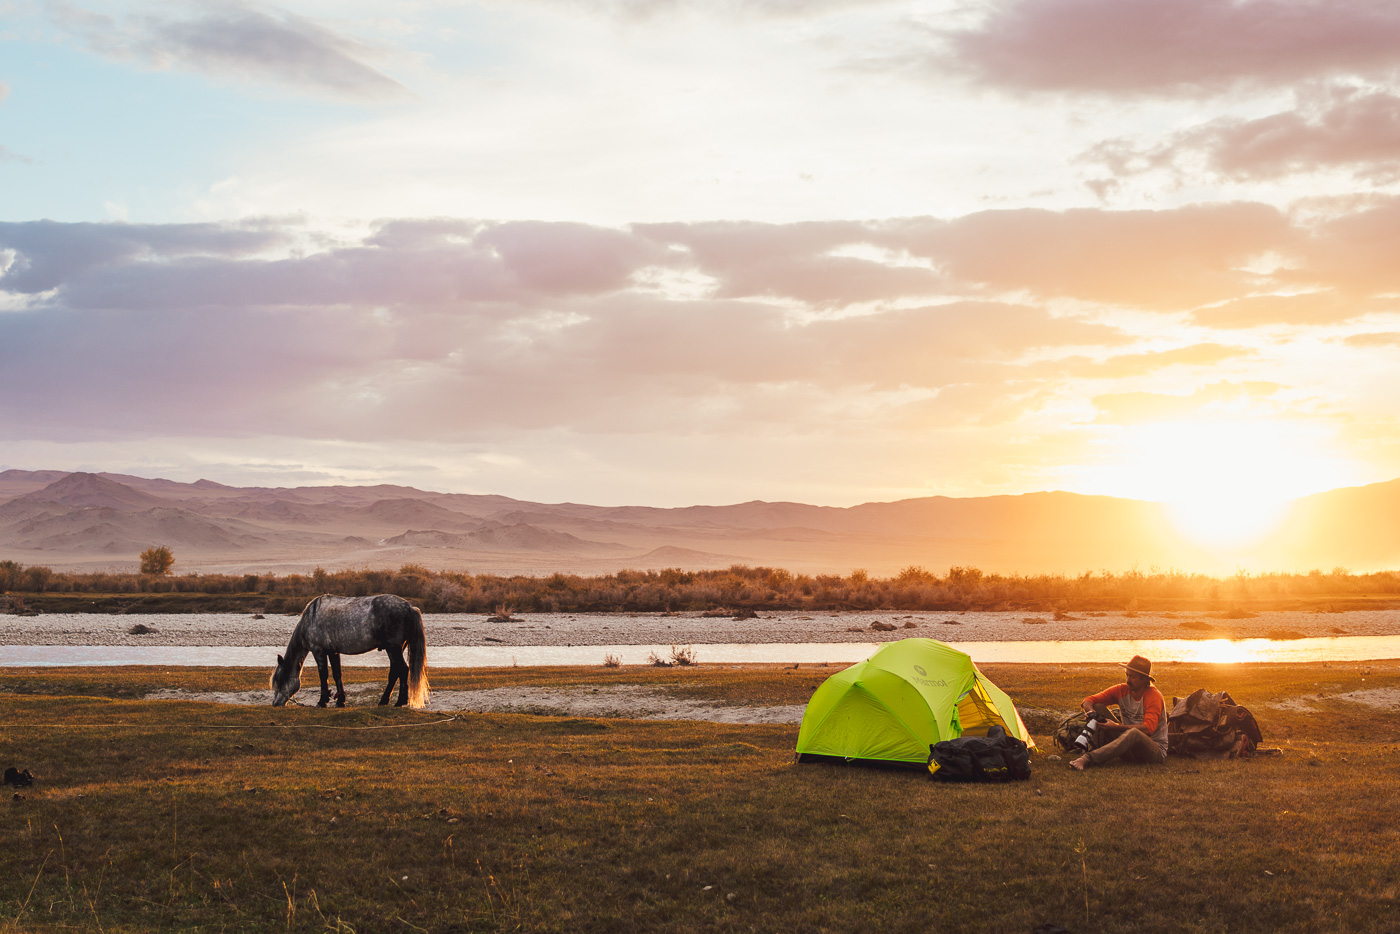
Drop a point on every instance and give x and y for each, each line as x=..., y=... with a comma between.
x=739, y=591
x=183, y=816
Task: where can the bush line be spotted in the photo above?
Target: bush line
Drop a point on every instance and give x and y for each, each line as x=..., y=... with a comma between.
x=672, y=590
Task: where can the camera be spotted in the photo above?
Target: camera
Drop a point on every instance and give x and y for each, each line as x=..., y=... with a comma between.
x=1085, y=740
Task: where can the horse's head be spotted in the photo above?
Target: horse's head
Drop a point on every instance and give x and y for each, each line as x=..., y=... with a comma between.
x=285, y=681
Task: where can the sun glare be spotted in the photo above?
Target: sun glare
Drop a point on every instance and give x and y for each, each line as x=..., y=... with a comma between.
x=1227, y=484
x=1221, y=652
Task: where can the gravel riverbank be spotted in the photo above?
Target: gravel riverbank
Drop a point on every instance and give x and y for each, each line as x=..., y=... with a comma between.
x=563, y=629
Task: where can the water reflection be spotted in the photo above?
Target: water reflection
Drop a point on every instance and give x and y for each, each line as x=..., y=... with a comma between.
x=1330, y=649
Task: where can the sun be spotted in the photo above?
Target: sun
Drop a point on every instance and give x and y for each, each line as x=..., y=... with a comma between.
x=1227, y=483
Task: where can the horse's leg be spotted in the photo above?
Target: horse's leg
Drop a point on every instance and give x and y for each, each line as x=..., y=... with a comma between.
x=320, y=656
x=403, y=678
x=339, y=688
x=398, y=671
x=395, y=657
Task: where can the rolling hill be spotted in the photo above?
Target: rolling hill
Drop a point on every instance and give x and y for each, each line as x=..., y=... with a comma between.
x=87, y=521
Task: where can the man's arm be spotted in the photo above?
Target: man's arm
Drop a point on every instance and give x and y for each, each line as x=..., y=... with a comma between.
x=1153, y=710
x=1103, y=698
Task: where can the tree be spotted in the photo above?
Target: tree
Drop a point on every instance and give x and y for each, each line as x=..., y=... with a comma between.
x=157, y=560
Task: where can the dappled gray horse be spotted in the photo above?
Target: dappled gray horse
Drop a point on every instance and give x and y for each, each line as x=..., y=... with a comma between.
x=331, y=626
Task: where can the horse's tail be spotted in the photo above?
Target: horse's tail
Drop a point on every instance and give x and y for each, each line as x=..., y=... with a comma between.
x=417, y=662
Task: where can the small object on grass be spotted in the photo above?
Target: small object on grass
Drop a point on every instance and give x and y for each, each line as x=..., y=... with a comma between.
x=14, y=776
x=707, y=888
x=140, y=629
x=730, y=897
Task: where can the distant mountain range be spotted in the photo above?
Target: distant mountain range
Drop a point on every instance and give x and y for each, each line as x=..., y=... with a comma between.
x=87, y=521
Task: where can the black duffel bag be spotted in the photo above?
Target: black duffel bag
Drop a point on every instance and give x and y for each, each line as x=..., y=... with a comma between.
x=995, y=757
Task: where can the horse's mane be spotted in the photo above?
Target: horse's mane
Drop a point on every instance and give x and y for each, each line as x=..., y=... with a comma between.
x=298, y=640
x=298, y=645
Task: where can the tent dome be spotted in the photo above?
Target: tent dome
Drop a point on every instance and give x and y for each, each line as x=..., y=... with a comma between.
x=896, y=704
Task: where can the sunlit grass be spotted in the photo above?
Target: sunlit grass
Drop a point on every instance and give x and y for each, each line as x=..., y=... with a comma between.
x=184, y=816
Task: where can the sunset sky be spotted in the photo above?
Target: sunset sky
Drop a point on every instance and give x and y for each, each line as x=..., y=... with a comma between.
x=668, y=252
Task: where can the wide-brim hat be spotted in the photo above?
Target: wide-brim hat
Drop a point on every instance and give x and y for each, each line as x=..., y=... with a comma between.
x=1141, y=666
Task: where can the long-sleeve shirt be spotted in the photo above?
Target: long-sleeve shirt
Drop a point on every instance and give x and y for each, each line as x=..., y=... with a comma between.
x=1147, y=711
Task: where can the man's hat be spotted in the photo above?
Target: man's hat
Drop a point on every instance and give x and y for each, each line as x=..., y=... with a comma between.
x=1140, y=665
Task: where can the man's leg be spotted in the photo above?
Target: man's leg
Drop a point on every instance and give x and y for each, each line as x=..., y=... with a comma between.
x=1130, y=746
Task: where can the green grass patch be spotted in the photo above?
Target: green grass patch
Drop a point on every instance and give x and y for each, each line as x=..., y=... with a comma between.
x=182, y=816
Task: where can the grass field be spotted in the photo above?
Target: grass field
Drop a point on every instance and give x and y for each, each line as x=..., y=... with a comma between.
x=177, y=816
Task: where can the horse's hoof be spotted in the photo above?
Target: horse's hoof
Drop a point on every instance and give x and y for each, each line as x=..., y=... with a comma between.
x=340, y=702
x=320, y=703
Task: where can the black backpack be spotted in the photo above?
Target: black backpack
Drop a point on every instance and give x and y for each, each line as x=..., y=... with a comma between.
x=995, y=757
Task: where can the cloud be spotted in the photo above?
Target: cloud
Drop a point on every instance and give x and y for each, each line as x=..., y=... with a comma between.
x=456, y=330
x=1309, y=308
x=449, y=329
x=1137, y=407
x=1162, y=260
x=1185, y=47
x=9, y=155
x=240, y=41
x=1375, y=339
x=1140, y=364
x=51, y=254
x=1355, y=251
x=424, y=264
x=1341, y=128
x=645, y=10
x=797, y=261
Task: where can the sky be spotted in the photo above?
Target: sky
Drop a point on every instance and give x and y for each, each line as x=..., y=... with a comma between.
x=669, y=252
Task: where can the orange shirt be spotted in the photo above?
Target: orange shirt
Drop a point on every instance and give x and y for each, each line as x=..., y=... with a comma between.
x=1153, y=707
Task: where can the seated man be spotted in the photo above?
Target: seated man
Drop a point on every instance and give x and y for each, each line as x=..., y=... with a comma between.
x=1142, y=736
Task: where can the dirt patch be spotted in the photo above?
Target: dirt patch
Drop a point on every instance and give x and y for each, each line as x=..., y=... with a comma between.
x=1382, y=698
x=621, y=701
x=1385, y=698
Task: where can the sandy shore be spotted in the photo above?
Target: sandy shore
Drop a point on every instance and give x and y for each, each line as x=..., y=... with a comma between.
x=562, y=629
x=639, y=702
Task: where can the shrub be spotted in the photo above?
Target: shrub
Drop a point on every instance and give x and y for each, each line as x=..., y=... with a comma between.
x=157, y=561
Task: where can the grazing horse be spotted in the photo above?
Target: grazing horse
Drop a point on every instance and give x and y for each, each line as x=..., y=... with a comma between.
x=330, y=626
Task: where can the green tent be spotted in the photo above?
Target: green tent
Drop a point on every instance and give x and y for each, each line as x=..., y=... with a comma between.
x=893, y=706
